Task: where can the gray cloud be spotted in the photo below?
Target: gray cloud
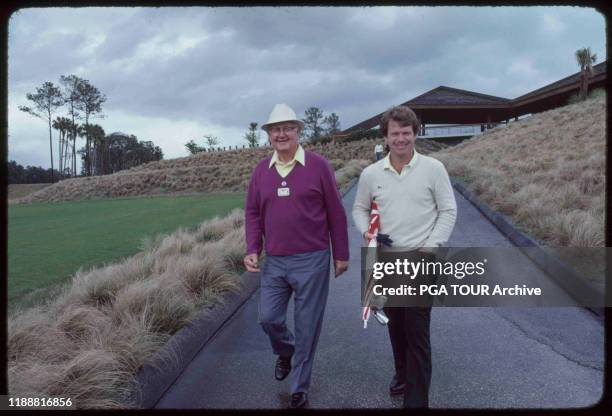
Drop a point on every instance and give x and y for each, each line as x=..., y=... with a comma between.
x=227, y=67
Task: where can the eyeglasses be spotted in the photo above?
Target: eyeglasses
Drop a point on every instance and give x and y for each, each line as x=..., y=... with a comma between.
x=285, y=129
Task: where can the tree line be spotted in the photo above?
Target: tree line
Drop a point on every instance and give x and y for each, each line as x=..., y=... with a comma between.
x=110, y=154
x=316, y=125
x=118, y=151
x=100, y=154
x=29, y=174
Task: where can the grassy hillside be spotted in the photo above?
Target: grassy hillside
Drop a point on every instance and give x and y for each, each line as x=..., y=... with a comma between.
x=204, y=172
x=546, y=172
x=16, y=191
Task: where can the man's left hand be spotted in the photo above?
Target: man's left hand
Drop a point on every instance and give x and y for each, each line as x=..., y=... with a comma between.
x=340, y=267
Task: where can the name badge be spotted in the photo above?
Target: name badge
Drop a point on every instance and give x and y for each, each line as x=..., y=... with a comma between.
x=282, y=191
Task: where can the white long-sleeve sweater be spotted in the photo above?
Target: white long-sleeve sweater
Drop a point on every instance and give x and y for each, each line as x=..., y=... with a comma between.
x=417, y=206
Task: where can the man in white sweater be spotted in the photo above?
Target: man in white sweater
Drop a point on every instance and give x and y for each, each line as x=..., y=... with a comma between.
x=417, y=210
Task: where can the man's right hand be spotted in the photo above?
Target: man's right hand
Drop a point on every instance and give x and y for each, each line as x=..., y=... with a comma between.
x=250, y=262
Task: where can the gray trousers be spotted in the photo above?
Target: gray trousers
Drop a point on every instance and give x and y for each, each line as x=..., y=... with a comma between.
x=307, y=276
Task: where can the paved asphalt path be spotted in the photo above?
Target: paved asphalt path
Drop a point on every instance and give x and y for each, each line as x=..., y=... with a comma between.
x=482, y=357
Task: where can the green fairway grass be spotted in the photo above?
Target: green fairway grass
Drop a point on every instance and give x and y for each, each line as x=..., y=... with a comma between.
x=48, y=242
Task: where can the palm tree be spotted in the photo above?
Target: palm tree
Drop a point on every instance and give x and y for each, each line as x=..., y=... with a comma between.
x=83, y=132
x=57, y=126
x=251, y=135
x=62, y=124
x=96, y=135
x=586, y=60
x=79, y=129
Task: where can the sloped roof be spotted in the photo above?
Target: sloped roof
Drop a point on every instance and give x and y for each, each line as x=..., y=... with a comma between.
x=598, y=69
x=453, y=104
x=453, y=96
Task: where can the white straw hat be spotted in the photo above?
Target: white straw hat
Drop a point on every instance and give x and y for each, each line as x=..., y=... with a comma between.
x=281, y=113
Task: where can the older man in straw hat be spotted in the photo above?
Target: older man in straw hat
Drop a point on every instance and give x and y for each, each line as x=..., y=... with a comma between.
x=293, y=204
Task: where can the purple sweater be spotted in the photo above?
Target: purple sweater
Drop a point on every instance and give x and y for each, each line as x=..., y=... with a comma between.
x=302, y=222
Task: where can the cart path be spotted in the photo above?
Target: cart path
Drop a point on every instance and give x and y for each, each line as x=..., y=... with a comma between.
x=482, y=357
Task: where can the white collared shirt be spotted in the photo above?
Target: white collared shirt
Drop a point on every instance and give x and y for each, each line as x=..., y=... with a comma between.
x=284, y=169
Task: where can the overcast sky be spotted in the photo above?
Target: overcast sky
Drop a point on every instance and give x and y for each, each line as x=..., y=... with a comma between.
x=175, y=74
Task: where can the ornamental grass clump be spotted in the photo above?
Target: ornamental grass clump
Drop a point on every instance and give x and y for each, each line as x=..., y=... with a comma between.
x=231, y=249
x=32, y=338
x=89, y=342
x=166, y=305
x=217, y=227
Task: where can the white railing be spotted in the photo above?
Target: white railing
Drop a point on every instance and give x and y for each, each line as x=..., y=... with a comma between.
x=455, y=130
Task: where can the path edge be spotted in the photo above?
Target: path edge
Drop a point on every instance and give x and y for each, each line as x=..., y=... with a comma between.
x=158, y=374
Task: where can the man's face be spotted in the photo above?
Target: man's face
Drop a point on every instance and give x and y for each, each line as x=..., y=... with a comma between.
x=400, y=139
x=284, y=136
